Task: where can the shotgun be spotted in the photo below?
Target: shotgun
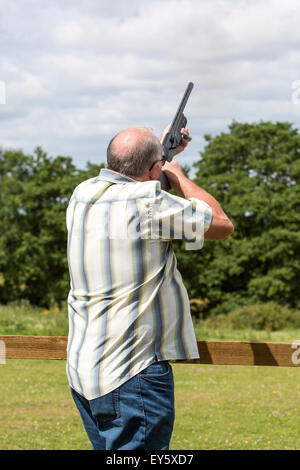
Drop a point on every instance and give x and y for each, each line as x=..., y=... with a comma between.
x=173, y=137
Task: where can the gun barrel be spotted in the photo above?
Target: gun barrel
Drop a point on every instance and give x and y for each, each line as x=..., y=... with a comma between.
x=183, y=103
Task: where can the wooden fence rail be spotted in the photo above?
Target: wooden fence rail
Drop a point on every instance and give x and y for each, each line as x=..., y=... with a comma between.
x=211, y=352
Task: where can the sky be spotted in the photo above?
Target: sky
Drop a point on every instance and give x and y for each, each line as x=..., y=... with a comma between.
x=74, y=73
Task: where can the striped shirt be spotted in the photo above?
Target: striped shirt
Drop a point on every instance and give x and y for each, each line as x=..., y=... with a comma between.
x=127, y=303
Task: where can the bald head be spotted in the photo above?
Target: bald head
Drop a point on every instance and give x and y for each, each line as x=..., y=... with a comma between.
x=132, y=151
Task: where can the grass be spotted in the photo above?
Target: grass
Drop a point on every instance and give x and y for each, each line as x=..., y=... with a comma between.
x=217, y=407
x=204, y=331
x=24, y=319
x=236, y=407
x=21, y=318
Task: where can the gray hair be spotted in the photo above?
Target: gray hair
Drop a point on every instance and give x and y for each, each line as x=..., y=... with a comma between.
x=138, y=157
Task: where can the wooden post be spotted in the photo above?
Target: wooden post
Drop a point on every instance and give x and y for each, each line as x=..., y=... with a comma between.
x=211, y=352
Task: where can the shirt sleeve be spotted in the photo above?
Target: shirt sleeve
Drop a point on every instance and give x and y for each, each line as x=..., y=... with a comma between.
x=173, y=217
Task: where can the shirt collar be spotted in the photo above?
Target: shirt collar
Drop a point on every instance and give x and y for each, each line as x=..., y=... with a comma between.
x=114, y=176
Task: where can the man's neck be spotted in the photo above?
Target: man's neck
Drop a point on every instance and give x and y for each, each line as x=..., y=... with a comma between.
x=140, y=178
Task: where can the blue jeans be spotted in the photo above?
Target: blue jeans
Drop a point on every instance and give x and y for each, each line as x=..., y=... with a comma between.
x=137, y=415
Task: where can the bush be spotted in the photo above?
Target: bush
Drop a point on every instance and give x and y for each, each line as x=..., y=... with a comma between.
x=230, y=302
x=270, y=316
x=198, y=307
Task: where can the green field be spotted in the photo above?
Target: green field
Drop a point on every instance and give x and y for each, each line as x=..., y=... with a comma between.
x=217, y=407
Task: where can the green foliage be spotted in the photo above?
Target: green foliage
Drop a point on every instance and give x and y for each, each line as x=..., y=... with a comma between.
x=254, y=172
x=270, y=316
x=198, y=307
x=35, y=190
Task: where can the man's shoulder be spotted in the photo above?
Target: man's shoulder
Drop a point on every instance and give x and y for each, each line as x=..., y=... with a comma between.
x=85, y=183
x=145, y=189
x=88, y=189
x=85, y=190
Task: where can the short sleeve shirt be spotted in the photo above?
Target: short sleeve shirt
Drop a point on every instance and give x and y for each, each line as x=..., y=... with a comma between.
x=127, y=302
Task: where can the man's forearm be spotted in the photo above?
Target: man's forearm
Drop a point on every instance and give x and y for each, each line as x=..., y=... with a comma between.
x=221, y=226
x=187, y=189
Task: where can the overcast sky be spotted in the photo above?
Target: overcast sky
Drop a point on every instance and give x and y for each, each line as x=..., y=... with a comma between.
x=77, y=72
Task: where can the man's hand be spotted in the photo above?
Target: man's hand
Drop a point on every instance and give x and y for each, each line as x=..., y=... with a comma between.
x=164, y=132
x=174, y=174
x=184, y=141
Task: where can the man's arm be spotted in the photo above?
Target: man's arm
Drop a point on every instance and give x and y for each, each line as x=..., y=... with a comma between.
x=221, y=227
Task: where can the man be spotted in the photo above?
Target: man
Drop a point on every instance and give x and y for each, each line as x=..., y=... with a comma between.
x=128, y=308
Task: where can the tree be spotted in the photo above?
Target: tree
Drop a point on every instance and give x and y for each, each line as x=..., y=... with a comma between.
x=254, y=172
x=35, y=190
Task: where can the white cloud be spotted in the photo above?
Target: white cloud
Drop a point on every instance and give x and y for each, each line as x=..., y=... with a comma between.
x=76, y=72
